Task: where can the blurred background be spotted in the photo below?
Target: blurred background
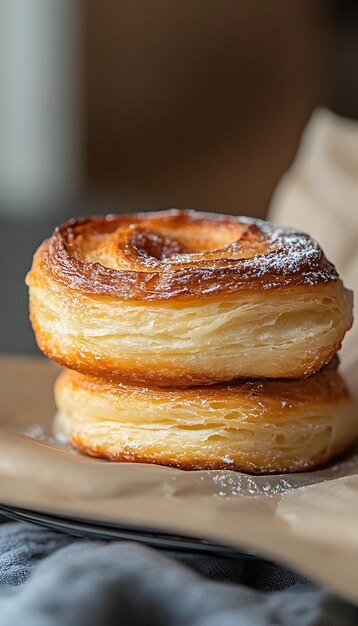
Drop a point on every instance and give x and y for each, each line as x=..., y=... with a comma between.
x=132, y=105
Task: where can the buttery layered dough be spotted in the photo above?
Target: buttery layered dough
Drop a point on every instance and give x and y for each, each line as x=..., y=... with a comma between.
x=186, y=298
x=257, y=426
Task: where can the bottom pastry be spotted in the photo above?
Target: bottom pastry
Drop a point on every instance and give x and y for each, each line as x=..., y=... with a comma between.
x=266, y=426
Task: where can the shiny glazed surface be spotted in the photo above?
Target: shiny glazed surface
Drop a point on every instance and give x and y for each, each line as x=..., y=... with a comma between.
x=178, y=254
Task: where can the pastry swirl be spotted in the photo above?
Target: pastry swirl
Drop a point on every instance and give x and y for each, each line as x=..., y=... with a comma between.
x=186, y=298
x=258, y=426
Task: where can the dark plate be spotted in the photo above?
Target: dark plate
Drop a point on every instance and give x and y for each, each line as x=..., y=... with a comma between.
x=101, y=530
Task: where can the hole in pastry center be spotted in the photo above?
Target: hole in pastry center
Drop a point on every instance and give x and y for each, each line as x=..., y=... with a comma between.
x=153, y=244
x=219, y=241
x=181, y=244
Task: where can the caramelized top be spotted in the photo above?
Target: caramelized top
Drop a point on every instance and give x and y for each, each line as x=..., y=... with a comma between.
x=179, y=254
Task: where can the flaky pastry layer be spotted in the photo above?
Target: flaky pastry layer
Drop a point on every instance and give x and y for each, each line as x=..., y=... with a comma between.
x=186, y=298
x=259, y=427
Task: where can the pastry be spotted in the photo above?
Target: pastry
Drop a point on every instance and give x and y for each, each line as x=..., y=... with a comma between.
x=186, y=298
x=258, y=426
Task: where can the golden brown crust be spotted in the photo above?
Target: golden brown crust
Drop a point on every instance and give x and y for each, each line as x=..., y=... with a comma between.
x=323, y=388
x=178, y=255
x=239, y=465
x=257, y=426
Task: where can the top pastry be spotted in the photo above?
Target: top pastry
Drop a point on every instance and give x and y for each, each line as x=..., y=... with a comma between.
x=186, y=298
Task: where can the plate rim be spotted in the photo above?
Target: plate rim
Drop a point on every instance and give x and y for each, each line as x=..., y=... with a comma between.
x=113, y=531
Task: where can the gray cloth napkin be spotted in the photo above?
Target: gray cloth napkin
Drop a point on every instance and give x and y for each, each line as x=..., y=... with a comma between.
x=49, y=579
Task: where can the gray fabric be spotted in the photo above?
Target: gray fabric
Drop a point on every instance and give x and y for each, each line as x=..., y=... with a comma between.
x=48, y=579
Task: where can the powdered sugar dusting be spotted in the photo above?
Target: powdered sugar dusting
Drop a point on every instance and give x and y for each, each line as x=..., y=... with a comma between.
x=230, y=484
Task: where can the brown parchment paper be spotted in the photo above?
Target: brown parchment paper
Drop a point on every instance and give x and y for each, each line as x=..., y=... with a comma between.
x=307, y=521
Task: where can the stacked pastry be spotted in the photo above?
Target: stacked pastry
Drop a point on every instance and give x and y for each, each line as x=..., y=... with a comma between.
x=194, y=340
